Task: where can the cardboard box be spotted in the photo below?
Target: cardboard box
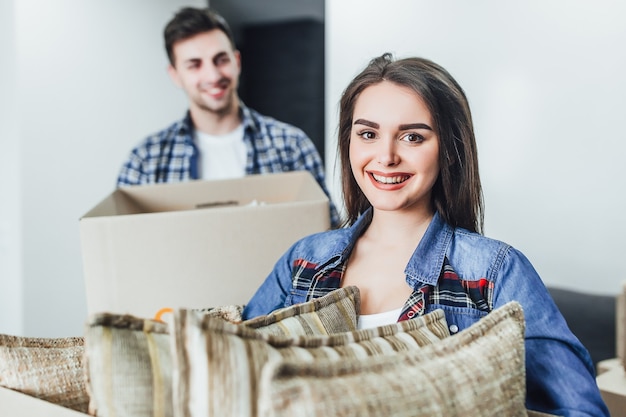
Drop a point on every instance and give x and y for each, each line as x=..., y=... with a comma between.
x=16, y=404
x=196, y=244
x=612, y=386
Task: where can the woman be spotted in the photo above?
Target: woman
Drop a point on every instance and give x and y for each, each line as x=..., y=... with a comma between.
x=412, y=241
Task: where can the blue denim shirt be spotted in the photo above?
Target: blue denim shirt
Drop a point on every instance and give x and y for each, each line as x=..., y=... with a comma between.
x=466, y=275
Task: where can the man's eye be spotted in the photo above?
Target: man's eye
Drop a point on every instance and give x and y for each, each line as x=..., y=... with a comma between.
x=223, y=60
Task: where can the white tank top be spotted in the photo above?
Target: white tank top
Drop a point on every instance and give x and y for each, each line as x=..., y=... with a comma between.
x=368, y=321
x=222, y=156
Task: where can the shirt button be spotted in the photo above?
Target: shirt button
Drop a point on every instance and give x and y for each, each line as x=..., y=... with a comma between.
x=454, y=328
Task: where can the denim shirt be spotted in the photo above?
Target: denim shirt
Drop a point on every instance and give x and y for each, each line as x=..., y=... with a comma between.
x=466, y=275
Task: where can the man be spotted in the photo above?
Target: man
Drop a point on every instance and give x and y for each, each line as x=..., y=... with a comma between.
x=219, y=137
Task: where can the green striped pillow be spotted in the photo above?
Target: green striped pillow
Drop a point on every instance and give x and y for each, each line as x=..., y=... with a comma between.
x=218, y=364
x=478, y=372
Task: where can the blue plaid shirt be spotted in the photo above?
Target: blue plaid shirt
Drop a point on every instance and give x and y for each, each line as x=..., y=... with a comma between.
x=272, y=146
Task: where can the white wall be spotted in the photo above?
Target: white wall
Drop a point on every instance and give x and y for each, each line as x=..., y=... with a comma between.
x=89, y=82
x=545, y=80
x=11, y=317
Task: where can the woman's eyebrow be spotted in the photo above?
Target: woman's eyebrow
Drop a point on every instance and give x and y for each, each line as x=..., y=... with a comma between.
x=415, y=126
x=366, y=123
x=408, y=126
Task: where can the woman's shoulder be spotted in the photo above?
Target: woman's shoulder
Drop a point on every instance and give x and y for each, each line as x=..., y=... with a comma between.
x=322, y=245
x=481, y=248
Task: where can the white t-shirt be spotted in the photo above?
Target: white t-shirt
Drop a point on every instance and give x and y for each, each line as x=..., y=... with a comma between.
x=367, y=321
x=222, y=156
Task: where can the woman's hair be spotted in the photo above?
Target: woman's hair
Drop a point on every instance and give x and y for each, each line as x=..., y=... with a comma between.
x=190, y=21
x=457, y=193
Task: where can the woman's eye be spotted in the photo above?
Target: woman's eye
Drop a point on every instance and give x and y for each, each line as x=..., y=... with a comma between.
x=367, y=135
x=413, y=138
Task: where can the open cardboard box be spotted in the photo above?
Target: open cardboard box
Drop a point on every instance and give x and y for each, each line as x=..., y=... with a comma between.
x=196, y=244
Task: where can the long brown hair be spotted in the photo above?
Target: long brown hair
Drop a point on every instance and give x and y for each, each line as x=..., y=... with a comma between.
x=457, y=193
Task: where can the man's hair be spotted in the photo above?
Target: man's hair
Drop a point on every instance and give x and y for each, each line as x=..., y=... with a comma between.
x=457, y=192
x=190, y=21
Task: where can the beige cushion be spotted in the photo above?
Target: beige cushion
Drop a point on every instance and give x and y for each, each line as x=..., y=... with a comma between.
x=46, y=368
x=218, y=364
x=128, y=359
x=335, y=312
x=129, y=367
x=478, y=372
x=232, y=313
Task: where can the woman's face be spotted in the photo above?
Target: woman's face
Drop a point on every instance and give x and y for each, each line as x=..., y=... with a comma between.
x=394, y=150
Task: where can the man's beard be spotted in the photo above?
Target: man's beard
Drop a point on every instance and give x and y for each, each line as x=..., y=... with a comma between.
x=223, y=109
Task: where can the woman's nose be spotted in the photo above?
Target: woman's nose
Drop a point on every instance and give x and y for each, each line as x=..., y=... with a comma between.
x=387, y=153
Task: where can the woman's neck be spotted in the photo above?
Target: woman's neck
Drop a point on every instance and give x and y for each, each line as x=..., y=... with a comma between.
x=399, y=227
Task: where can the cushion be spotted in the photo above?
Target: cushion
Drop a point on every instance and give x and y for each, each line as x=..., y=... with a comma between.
x=46, y=368
x=218, y=364
x=129, y=362
x=478, y=372
x=128, y=365
x=335, y=312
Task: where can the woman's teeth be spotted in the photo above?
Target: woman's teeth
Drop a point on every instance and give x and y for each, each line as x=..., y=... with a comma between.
x=390, y=180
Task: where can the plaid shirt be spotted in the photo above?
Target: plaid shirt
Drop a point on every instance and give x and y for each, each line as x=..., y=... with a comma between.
x=272, y=146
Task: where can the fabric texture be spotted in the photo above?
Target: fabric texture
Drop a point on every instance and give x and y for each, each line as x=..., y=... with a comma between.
x=47, y=368
x=478, y=372
x=129, y=359
x=231, y=312
x=272, y=146
x=128, y=366
x=467, y=275
x=334, y=313
x=218, y=364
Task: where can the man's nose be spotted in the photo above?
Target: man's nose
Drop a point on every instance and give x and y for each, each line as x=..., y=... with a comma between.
x=210, y=73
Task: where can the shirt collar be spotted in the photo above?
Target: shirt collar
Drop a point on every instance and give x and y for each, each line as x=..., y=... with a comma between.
x=246, y=117
x=427, y=259
x=185, y=127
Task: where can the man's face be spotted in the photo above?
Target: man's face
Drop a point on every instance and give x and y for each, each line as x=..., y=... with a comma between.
x=207, y=68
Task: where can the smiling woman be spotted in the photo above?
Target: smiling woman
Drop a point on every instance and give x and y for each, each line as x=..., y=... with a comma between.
x=412, y=239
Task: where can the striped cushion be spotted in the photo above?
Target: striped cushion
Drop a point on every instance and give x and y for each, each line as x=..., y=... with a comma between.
x=129, y=366
x=46, y=368
x=335, y=312
x=129, y=362
x=218, y=364
x=478, y=372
